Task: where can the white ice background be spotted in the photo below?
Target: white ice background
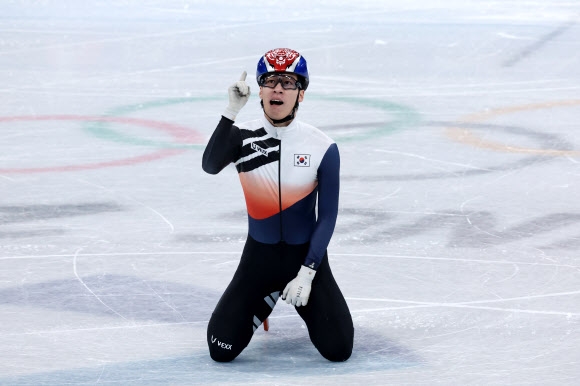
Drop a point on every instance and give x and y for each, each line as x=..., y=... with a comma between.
x=457, y=240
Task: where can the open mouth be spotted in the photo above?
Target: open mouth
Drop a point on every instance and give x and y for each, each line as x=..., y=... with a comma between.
x=276, y=102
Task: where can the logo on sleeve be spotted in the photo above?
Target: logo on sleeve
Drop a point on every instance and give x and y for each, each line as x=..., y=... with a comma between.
x=259, y=149
x=302, y=160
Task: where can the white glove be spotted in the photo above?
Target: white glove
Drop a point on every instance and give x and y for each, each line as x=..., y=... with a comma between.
x=297, y=291
x=239, y=93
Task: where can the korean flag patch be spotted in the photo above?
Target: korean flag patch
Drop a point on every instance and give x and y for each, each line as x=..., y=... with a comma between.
x=302, y=160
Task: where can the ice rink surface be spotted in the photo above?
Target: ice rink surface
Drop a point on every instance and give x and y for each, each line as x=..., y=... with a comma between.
x=459, y=227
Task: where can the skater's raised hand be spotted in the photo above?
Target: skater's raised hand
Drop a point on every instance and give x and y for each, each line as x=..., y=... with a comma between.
x=239, y=94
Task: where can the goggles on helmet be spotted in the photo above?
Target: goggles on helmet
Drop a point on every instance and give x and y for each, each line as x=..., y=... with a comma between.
x=287, y=82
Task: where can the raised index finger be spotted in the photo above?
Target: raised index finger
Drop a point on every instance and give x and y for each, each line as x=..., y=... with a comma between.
x=243, y=77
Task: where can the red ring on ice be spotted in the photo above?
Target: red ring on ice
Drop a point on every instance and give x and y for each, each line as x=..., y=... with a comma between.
x=182, y=134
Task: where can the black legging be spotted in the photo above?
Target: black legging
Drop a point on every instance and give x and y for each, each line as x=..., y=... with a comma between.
x=262, y=274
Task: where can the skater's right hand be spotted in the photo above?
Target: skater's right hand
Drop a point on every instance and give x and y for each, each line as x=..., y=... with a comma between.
x=239, y=93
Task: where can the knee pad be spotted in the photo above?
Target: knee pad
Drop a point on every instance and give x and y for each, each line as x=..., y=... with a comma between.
x=338, y=351
x=335, y=344
x=221, y=351
x=227, y=337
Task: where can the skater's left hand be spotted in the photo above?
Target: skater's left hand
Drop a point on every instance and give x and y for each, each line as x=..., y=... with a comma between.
x=297, y=291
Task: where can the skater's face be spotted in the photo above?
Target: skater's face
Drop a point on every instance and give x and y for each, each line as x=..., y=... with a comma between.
x=280, y=100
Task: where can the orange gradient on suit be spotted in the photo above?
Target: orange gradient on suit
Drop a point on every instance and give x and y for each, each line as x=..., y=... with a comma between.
x=261, y=195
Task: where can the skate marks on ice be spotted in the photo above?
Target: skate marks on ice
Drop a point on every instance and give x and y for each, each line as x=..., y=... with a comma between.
x=28, y=213
x=284, y=351
x=129, y=297
x=538, y=44
x=36, y=216
x=137, y=300
x=458, y=170
x=474, y=229
x=522, y=146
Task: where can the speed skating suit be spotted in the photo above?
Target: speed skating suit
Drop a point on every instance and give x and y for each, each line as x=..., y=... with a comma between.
x=283, y=171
